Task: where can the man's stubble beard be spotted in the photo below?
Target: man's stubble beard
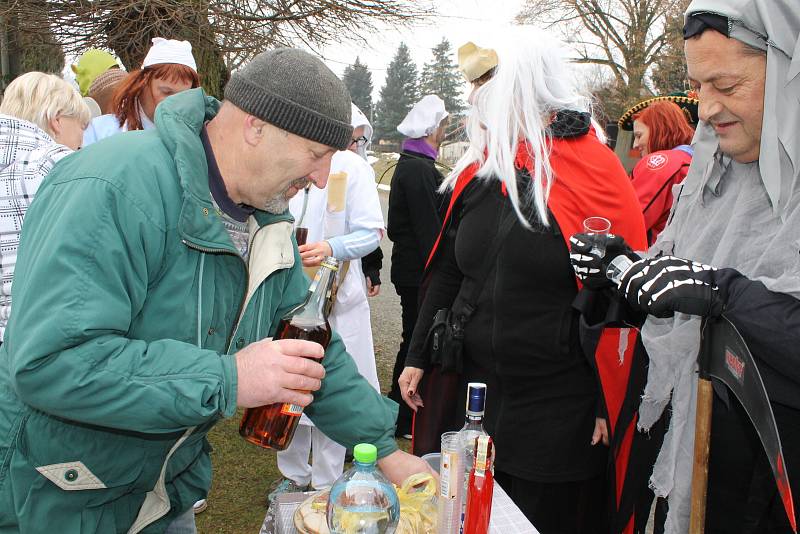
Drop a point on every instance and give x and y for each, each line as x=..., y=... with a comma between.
x=280, y=203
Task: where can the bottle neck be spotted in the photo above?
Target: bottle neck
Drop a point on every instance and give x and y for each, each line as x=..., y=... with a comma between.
x=315, y=308
x=363, y=466
x=473, y=420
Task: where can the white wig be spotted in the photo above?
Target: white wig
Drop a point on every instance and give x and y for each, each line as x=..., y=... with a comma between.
x=532, y=82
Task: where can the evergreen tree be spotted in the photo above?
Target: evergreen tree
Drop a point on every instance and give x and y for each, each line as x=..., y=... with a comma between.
x=358, y=80
x=398, y=95
x=441, y=77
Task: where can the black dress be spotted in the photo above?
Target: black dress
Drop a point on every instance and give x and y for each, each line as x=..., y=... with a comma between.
x=523, y=341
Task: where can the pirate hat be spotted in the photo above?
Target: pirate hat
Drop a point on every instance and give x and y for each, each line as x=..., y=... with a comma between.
x=686, y=101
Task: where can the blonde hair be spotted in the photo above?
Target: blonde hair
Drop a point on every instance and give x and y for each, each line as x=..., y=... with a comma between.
x=532, y=82
x=39, y=98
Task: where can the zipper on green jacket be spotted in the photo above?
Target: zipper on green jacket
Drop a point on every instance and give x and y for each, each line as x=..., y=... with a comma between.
x=244, y=298
x=239, y=310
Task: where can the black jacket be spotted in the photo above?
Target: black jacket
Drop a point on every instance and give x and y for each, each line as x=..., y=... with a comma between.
x=524, y=333
x=415, y=216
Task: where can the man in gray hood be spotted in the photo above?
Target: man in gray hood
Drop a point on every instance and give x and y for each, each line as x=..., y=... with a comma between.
x=738, y=210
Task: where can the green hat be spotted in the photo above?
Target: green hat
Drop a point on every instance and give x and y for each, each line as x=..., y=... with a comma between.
x=688, y=103
x=90, y=65
x=365, y=453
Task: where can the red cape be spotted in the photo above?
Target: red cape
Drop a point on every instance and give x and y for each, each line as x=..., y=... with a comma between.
x=589, y=180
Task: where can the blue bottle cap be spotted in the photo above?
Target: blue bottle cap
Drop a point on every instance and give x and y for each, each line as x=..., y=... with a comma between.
x=476, y=398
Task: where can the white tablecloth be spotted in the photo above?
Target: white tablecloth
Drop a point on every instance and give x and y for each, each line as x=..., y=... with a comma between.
x=506, y=517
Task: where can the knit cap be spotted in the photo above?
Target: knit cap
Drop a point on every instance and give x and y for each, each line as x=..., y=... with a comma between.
x=103, y=87
x=108, y=80
x=295, y=91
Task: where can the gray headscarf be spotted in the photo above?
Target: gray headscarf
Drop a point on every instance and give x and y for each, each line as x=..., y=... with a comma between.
x=727, y=214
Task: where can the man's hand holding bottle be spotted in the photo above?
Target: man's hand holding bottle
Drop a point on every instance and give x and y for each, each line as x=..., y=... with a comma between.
x=270, y=371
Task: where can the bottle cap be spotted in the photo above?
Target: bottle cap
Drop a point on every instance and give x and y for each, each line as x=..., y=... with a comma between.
x=365, y=453
x=476, y=398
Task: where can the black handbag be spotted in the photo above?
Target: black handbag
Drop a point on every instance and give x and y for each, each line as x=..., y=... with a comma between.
x=445, y=340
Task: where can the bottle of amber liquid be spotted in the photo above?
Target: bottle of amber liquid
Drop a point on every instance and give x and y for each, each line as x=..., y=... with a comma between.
x=273, y=426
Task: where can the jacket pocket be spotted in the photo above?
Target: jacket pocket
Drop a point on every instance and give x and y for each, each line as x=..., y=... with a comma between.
x=77, y=457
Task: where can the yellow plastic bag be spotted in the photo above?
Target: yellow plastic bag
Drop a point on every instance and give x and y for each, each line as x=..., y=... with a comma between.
x=418, y=503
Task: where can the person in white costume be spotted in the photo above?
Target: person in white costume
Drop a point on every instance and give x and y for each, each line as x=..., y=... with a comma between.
x=344, y=220
x=372, y=263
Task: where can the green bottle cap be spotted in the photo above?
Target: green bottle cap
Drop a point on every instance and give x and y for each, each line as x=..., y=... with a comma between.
x=365, y=453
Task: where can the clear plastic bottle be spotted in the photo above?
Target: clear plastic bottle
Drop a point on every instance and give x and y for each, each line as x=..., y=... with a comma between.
x=472, y=429
x=362, y=501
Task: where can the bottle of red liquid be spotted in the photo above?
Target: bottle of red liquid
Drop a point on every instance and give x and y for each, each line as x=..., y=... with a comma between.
x=481, y=488
x=273, y=426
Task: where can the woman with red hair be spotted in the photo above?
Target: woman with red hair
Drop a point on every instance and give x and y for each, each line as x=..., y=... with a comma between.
x=662, y=134
x=168, y=68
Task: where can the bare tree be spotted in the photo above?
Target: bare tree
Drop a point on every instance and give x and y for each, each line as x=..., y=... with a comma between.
x=669, y=71
x=626, y=36
x=223, y=33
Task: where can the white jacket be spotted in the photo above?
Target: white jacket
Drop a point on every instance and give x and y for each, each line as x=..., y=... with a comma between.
x=27, y=154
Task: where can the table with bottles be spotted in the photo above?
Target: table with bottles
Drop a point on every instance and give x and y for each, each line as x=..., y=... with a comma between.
x=469, y=500
x=506, y=517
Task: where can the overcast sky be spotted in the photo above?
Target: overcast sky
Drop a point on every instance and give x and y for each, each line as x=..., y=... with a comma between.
x=457, y=20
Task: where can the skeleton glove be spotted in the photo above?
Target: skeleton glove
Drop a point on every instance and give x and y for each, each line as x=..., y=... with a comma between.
x=589, y=265
x=665, y=285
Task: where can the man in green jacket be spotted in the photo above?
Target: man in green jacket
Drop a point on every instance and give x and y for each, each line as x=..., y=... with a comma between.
x=152, y=268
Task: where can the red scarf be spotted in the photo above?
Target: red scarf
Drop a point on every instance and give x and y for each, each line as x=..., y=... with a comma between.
x=589, y=180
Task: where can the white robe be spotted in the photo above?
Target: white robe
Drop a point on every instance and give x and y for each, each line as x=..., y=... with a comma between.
x=362, y=210
x=350, y=316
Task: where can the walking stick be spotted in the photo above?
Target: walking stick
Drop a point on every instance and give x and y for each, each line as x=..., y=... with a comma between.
x=724, y=355
x=702, y=435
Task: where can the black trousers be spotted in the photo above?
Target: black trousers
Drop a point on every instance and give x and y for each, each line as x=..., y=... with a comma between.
x=409, y=304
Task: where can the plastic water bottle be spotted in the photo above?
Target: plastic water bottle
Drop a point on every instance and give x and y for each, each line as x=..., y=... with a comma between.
x=362, y=501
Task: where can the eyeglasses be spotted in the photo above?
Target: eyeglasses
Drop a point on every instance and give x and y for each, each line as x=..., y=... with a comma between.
x=359, y=141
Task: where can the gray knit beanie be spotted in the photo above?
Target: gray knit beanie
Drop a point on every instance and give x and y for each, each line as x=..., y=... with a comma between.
x=296, y=92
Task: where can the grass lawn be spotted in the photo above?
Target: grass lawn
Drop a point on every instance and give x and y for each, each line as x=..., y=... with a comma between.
x=242, y=473
x=384, y=168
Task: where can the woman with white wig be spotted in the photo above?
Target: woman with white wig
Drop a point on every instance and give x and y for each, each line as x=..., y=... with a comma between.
x=42, y=119
x=534, y=170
